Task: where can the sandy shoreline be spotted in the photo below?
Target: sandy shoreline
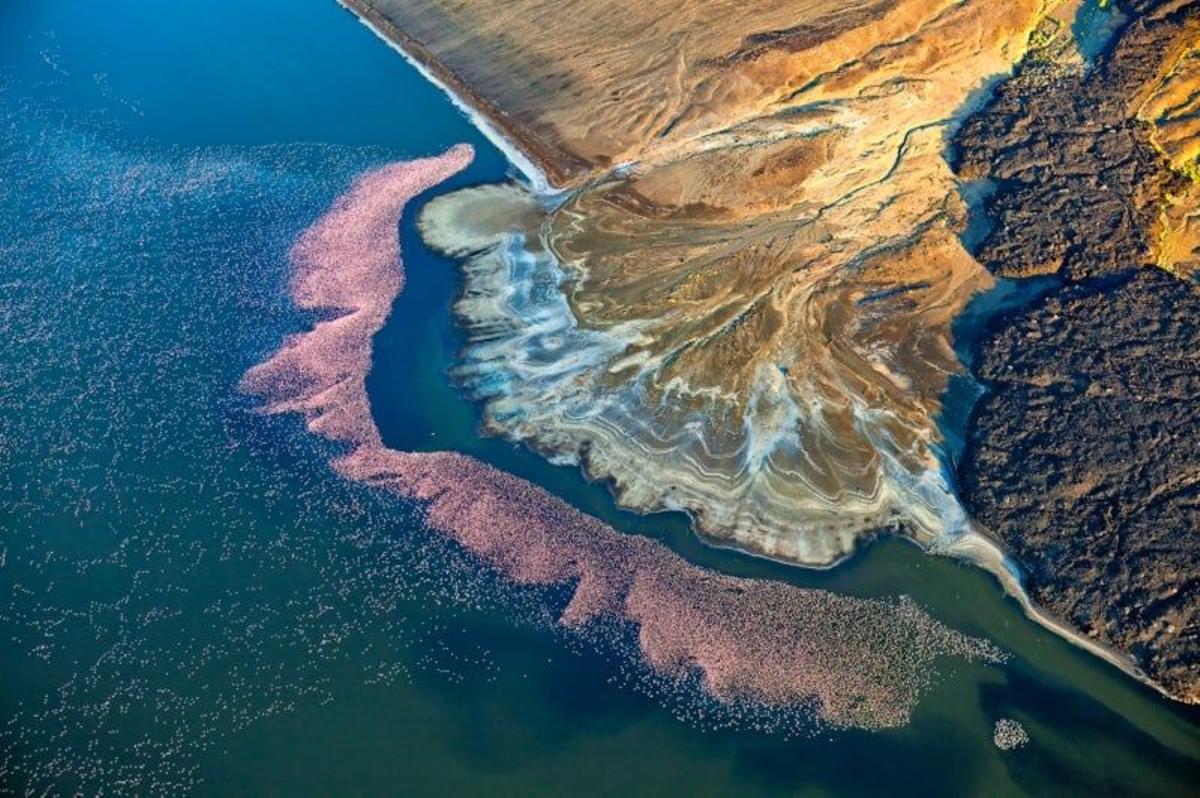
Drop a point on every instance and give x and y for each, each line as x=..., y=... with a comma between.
x=984, y=553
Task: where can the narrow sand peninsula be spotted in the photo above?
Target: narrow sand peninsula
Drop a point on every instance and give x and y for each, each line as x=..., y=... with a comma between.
x=854, y=662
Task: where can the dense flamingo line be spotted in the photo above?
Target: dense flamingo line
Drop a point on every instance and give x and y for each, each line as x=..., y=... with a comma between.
x=855, y=661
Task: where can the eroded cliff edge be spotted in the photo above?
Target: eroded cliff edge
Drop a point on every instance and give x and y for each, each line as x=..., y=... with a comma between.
x=1083, y=457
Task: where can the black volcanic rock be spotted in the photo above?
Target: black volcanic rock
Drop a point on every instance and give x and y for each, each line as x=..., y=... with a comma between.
x=1084, y=456
x=1078, y=181
x=1084, y=459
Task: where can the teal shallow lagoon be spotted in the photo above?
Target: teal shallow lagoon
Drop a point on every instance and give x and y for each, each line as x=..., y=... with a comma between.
x=193, y=600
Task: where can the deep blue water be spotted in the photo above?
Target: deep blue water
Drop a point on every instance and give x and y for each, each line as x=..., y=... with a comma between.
x=188, y=600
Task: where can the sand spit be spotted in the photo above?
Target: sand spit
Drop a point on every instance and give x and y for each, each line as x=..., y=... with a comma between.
x=855, y=662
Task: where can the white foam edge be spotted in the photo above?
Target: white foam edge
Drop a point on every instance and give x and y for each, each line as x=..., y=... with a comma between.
x=534, y=177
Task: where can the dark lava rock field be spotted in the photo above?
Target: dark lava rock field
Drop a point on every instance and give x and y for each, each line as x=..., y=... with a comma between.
x=1083, y=456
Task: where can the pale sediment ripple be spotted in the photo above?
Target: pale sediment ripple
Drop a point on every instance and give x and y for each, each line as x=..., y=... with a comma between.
x=795, y=474
x=856, y=662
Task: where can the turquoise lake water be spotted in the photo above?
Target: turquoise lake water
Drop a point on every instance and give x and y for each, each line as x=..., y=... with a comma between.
x=190, y=601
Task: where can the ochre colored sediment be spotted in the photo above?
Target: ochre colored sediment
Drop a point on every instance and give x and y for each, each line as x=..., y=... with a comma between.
x=1170, y=103
x=742, y=306
x=755, y=325
x=855, y=661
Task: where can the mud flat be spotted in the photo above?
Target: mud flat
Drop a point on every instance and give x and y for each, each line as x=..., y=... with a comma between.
x=740, y=306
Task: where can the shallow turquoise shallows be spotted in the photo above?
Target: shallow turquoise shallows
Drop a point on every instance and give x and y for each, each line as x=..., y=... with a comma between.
x=189, y=600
